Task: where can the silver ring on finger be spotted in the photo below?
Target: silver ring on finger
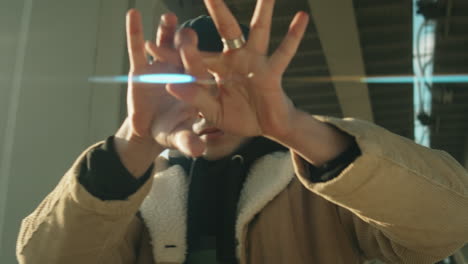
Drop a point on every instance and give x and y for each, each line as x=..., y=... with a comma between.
x=231, y=44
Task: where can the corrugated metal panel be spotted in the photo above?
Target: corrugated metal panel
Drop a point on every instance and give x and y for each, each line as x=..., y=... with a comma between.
x=386, y=40
x=450, y=129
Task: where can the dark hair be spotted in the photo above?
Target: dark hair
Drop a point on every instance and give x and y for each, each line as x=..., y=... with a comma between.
x=208, y=36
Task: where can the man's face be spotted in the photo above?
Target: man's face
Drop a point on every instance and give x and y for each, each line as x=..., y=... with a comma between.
x=219, y=144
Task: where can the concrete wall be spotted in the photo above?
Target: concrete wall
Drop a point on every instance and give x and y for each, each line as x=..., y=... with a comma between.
x=49, y=112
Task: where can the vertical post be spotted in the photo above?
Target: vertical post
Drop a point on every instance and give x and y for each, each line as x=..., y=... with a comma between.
x=336, y=24
x=111, y=58
x=11, y=115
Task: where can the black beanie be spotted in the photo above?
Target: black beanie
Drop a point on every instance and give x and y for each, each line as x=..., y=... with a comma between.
x=208, y=36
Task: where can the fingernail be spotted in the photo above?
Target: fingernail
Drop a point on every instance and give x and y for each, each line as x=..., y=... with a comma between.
x=163, y=21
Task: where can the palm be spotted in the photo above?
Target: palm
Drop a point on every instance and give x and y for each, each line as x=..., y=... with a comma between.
x=146, y=102
x=154, y=113
x=245, y=101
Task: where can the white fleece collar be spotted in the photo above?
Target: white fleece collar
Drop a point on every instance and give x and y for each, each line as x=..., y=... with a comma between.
x=270, y=175
x=165, y=208
x=164, y=211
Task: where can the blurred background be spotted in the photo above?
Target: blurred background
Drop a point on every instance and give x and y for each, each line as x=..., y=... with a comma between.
x=49, y=112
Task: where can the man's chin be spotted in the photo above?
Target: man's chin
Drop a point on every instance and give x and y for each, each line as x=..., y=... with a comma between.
x=220, y=146
x=213, y=154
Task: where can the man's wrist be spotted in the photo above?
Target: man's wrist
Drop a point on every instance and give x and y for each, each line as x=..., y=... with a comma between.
x=136, y=153
x=315, y=141
x=105, y=177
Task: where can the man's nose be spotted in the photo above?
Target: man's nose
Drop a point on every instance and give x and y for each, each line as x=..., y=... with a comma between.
x=200, y=115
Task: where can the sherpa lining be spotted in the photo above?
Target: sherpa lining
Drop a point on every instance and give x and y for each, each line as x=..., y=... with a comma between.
x=165, y=213
x=165, y=208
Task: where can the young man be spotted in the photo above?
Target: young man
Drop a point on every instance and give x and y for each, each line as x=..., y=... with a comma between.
x=272, y=184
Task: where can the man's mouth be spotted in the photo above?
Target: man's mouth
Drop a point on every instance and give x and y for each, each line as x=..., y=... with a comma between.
x=206, y=131
x=210, y=133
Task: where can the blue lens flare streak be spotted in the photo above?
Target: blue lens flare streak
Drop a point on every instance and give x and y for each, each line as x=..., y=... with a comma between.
x=412, y=79
x=147, y=78
x=165, y=78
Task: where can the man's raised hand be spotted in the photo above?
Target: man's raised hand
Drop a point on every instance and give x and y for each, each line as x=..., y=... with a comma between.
x=250, y=99
x=156, y=120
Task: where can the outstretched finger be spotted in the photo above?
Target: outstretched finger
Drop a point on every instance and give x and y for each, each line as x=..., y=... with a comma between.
x=288, y=47
x=191, y=56
x=163, y=48
x=163, y=54
x=225, y=22
x=193, y=93
x=260, y=26
x=135, y=40
x=166, y=30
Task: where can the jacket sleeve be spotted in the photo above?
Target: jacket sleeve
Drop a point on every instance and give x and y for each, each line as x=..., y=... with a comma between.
x=73, y=226
x=407, y=203
x=106, y=178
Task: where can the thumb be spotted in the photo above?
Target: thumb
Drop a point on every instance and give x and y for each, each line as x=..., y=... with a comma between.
x=188, y=143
